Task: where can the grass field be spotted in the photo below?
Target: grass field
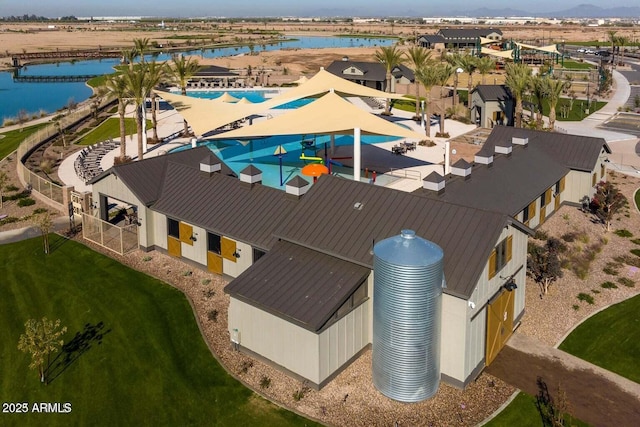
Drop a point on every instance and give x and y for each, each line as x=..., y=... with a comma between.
x=575, y=65
x=610, y=339
x=138, y=358
x=10, y=140
x=110, y=128
x=522, y=412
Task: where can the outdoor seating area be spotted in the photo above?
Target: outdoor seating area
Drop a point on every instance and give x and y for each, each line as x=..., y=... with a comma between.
x=87, y=164
x=403, y=147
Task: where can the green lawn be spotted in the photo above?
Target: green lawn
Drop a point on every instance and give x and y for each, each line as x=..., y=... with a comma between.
x=110, y=128
x=140, y=358
x=9, y=141
x=637, y=198
x=575, y=65
x=522, y=412
x=610, y=339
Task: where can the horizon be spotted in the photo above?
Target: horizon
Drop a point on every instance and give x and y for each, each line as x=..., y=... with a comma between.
x=281, y=8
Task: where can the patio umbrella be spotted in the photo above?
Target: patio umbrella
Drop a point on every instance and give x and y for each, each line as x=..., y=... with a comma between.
x=315, y=170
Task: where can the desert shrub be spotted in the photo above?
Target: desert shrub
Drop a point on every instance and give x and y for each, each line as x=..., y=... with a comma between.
x=635, y=241
x=583, y=237
x=26, y=202
x=586, y=298
x=541, y=235
x=576, y=307
x=612, y=268
x=9, y=220
x=246, y=365
x=205, y=282
x=39, y=211
x=187, y=273
x=595, y=291
x=580, y=267
x=569, y=237
x=609, y=285
x=147, y=258
x=265, y=382
x=636, y=252
x=625, y=281
x=623, y=233
x=628, y=259
x=212, y=315
x=209, y=293
x=301, y=392
x=11, y=188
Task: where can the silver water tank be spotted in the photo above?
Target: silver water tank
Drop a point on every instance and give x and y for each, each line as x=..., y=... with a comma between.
x=407, y=306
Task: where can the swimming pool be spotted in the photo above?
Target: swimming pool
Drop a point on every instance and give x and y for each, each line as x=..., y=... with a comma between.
x=254, y=96
x=260, y=153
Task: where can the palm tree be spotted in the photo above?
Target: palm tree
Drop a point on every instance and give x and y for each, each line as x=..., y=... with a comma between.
x=454, y=60
x=418, y=57
x=555, y=87
x=129, y=56
x=485, y=65
x=391, y=57
x=469, y=64
x=181, y=71
x=612, y=38
x=141, y=47
x=136, y=83
x=116, y=86
x=622, y=42
x=446, y=71
x=518, y=80
x=156, y=74
x=539, y=89
x=428, y=76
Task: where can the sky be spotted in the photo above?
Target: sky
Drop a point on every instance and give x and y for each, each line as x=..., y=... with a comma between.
x=238, y=8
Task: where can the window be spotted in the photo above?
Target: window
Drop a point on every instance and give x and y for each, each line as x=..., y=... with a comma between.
x=257, y=254
x=173, y=228
x=525, y=215
x=500, y=256
x=213, y=243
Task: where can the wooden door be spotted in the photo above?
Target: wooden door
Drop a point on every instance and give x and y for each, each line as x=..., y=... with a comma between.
x=543, y=214
x=499, y=324
x=174, y=246
x=214, y=262
x=228, y=249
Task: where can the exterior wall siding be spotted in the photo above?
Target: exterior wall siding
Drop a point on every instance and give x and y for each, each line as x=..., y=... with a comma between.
x=275, y=339
x=344, y=339
x=578, y=185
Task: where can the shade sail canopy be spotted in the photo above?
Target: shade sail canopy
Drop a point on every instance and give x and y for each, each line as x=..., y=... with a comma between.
x=301, y=80
x=330, y=114
x=324, y=82
x=549, y=49
x=226, y=98
x=244, y=100
x=204, y=115
x=506, y=54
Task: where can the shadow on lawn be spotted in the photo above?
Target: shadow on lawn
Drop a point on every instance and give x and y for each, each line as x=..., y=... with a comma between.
x=71, y=351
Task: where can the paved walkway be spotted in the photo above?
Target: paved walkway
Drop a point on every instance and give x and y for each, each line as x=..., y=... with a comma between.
x=60, y=224
x=595, y=395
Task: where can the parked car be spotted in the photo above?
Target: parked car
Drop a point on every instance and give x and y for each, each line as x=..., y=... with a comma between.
x=589, y=51
x=604, y=53
x=581, y=50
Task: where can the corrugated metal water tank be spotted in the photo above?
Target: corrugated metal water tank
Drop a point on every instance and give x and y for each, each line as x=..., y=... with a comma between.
x=407, y=305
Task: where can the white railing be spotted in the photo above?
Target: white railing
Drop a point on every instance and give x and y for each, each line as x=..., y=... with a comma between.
x=120, y=240
x=406, y=173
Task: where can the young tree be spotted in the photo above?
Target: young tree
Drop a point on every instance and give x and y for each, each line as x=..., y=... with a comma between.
x=419, y=57
x=486, y=64
x=543, y=263
x=44, y=223
x=539, y=90
x=4, y=178
x=607, y=201
x=391, y=57
x=181, y=71
x=117, y=86
x=555, y=87
x=428, y=76
x=41, y=339
x=518, y=80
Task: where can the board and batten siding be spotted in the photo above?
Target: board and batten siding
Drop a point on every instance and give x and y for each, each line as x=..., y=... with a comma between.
x=578, y=185
x=285, y=344
x=452, y=341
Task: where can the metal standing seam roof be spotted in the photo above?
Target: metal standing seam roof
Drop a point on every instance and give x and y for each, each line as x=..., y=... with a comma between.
x=299, y=284
x=145, y=177
x=328, y=219
x=464, y=33
x=573, y=151
x=432, y=38
x=215, y=71
x=372, y=71
x=223, y=204
x=508, y=186
x=493, y=92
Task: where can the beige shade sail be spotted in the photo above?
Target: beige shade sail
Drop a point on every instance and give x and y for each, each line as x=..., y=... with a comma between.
x=205, y=115
x=506, y=54
x=549, y=49
x=244, y=100
x=301, y=80
x=226, y=98
x=324, y=82
x=330, y=114
x=484, y=40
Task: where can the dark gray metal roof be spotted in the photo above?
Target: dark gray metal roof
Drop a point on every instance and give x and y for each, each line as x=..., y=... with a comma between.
x=508, y=186
x=493, y=92
x=298, y=284
x=326, y=220
x=432, y=38
x=573, y=151
x=215, y=71
x=297, y=182
x=372, y=71
x=145, y=177
x=223, y=205
x=434, y=177
x=464, y=33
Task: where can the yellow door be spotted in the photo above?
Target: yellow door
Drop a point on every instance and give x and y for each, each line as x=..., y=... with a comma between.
x=543, y=214
x=499, y=324
x=557, y=202
x=174, y=246
x=186, y=232
x=228, y=249
x=214, y=262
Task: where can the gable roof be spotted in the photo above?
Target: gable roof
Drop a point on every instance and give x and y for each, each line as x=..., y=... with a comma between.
x=432, y=38
x=372, y=71
x=215, y=71
x=508, y=186
x=573, y=151
x=493, y=93
x=223, y=204
x=145, y=177
x=298, y=284
x=465, y=33
x=328, y=220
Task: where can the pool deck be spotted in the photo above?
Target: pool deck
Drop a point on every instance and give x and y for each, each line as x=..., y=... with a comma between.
x=419, y=162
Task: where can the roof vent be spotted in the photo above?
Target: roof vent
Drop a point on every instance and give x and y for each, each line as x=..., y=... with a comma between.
x=434, y=182
x=358, y=206
x=520, y=141
x=209, y=165
x=504, y=147
x=297, y=186
x=484, y=159
x=251, y=175
x=461, y=168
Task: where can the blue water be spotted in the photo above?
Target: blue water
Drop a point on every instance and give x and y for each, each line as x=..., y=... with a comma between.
x=259, y=152
x=254, y=96
x=50, y=97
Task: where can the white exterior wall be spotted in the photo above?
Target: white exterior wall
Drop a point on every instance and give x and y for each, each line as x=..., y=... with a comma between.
x=234, y=269
x=159, y=238
x=344, y=339
x=284, y=343
x=578, y=185
x=452, y=341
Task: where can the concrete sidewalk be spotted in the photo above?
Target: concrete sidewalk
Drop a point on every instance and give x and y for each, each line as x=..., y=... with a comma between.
x=60, y=224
